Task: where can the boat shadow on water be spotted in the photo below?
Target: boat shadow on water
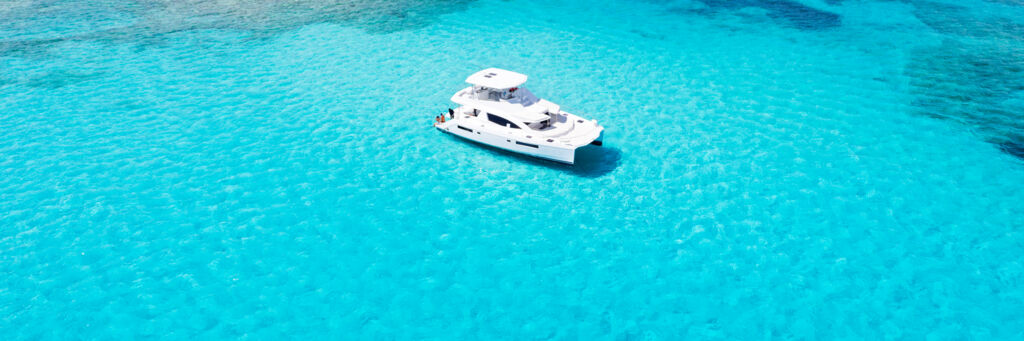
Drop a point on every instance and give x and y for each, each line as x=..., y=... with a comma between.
x=594, y=161
x=591, y=161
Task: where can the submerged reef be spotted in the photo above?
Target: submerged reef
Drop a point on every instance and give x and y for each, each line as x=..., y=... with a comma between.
x=975, y=76
x=30, y=25
x=782, y=12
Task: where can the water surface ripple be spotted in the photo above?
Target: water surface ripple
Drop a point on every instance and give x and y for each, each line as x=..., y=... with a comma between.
x=775, y=169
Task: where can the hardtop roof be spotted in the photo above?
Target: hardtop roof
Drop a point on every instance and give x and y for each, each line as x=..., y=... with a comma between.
x=496, y=78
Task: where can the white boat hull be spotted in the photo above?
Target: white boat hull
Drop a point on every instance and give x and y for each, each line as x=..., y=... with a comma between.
x=565, y=154
x=530, y=144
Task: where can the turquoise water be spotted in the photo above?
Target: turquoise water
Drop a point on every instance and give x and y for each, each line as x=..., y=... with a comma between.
x=259, y=169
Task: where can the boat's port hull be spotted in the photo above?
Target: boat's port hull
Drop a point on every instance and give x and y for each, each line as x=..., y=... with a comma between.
x=566, y=154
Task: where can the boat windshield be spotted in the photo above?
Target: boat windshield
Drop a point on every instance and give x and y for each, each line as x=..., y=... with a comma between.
x=523, y=96
x=520, y=96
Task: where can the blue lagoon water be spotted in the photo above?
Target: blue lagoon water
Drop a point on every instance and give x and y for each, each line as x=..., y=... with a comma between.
x=774, y=169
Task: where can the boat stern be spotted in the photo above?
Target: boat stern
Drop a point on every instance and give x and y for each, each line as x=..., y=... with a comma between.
x=599, y=141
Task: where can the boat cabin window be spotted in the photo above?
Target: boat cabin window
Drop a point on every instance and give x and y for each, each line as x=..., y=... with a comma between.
x=494, y=94
x=501, y=121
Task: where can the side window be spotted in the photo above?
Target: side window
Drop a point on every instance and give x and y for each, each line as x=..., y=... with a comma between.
x=501, y=121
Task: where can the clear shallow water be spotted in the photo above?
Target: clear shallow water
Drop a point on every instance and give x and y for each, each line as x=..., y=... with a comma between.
x=774, y=170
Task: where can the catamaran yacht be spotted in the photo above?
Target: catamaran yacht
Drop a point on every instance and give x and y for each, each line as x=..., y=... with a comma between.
x=496, y=110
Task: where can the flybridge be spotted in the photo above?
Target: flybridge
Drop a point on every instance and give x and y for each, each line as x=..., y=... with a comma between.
x=504, y=96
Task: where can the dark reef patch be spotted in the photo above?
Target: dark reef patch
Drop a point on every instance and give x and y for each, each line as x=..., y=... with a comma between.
x=152, y=19
x=790, y=13
x=27, y=48
x=1008, y=2
x=977, y=81
x=1013, y=148
x=956, y=20
x=372, y=16
x=60, y=78
x=972, y=85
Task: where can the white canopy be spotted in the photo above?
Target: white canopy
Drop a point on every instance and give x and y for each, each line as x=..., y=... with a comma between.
x=496, y=78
